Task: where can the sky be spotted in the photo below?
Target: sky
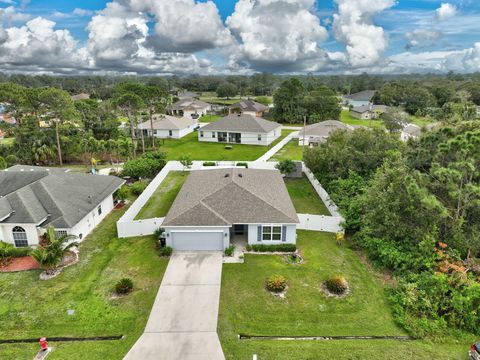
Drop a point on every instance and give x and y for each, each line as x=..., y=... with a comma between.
x=156, y=37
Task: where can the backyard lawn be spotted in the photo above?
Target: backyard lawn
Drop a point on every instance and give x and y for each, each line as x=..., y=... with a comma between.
x=162, y=199
x=209, y=118
x=304, y=197
x=291, y=151
x=189, y=145
x=247, y=308
x=30, y=308
x=346, y=118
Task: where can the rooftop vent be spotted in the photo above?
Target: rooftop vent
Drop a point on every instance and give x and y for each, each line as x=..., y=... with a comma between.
x=226, y=175
x=240, y=175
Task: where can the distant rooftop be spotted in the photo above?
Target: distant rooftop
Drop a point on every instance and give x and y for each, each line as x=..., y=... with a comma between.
x=242, y=123
x=167, y=122
x=250, y=105
x=366, y=95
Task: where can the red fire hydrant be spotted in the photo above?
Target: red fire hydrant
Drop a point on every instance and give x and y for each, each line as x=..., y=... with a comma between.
x=43, y=344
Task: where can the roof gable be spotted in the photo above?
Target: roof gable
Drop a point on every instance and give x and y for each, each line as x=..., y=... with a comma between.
x=242, y=123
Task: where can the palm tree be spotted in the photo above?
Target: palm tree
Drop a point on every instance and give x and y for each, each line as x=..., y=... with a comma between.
x=51, y=255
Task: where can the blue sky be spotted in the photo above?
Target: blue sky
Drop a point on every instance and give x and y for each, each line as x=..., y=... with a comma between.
x=401, y=35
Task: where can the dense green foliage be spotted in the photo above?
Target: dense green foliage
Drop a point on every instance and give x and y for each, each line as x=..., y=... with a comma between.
x=336, y=284
x=276, y=283
x=50, y=254
x=271, y=248
x=145, y=166
x=415, y=209
x=124, y=286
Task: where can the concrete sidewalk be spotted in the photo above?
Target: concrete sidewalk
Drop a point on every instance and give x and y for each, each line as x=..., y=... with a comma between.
x=183, y=320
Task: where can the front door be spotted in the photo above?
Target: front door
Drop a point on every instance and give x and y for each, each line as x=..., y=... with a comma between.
x=239, y=229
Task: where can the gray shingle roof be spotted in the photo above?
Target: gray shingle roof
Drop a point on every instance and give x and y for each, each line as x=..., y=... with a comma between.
x=365, y=108
x=222, y=197
x=188, y=104
x=242, y=123
x=62, y=199
x=167, y=122
x=324, y=128
x=365, y=95
x=250, y=105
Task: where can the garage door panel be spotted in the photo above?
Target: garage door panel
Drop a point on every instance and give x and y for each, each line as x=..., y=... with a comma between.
x=197, y=241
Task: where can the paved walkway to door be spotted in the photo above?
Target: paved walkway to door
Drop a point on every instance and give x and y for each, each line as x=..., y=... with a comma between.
x=183, y=321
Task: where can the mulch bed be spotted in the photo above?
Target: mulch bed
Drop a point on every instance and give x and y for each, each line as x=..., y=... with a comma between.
x=21, y=264
x=120, y=205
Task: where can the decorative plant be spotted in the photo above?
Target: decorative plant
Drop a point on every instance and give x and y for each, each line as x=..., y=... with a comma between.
x=166, y=251
x=186, y=162
x=286, y=167
x=229, y=250
x=276, y=283
x=50, y=255
x=124, y=286
x=337, y=285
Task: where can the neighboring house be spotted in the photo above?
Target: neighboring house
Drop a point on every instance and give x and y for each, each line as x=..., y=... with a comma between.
x=319, y=132
x=241, y=129
x=361, y=98
x=82, y=96
x=166, y=126
x=368, y=112
x=191, y=108
x=7, y=119
x=412, y=131
x=33, y=198
x=214, y=207
x=250, y=107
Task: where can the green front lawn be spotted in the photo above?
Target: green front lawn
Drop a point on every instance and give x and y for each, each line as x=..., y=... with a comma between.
x=209, y=118
x=346, y=118
x=247, y=308
x=202, y=150
x=30, y=308
x=162, y=199
x=304, y=197
x=291, y=151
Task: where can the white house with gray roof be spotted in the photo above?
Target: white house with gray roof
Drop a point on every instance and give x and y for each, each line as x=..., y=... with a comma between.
x=250, y=107
x=314, y=134
x=241, y=129
x=33, y=198
x=215, y=205
x=189, y=108
x=166, y=126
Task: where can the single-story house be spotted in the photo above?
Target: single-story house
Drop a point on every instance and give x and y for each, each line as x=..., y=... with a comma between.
x=319, y=132
x=33, y=198
x=361, y=98
x=241, y=129
x=81, y=96
x=216, y=206
x=167, y=126
x=412, y=131
x=368, y=112
x=250, y=107
x=191, y=108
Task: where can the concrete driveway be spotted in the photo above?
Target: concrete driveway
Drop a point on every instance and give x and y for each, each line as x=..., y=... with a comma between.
x=183, y=320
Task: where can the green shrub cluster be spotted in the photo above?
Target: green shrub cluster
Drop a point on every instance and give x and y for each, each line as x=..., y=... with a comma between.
x=244, y=164
x=276, y=283
x=9, y=251
x=209, y=163
x=145, y=166
x=337, y=284
x=166, y=251
x=271, y=248
x=138, y=187
x=229, y=250
x=124, y=286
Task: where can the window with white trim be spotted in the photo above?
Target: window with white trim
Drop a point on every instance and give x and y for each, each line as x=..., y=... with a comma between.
x=99, y=210
x=201, y=133
x=259, y=137
x=213, y=134
x=170, y=132
x=19, y=236
x=271, y=233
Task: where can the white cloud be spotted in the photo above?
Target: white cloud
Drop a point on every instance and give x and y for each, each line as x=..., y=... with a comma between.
x=353, y=25
x=280, y=34
x=10, y=2
x=446, y=11
x=422, y=37
x=82, y=12
x=11, y=14
x=37, y=46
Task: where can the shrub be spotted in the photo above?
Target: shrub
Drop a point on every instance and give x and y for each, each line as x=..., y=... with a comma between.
x=123, y=193
x=124, y=286
x=229, y=250
x=272, y=248
x=145, y=166
x=337, y=285
x=11, y=160
x=276, y=283
x=138, y=187
x=157, y=233
x=286, y=167
x=3, y=163
x=166, y=251
x=209, y=163
x=244, y=164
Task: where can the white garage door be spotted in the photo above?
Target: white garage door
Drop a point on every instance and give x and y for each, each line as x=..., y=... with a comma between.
x=197, y=240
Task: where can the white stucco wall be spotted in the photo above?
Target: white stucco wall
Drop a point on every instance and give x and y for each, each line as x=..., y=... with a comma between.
x=30, y=229
x=291, y=236
x=247, y=138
